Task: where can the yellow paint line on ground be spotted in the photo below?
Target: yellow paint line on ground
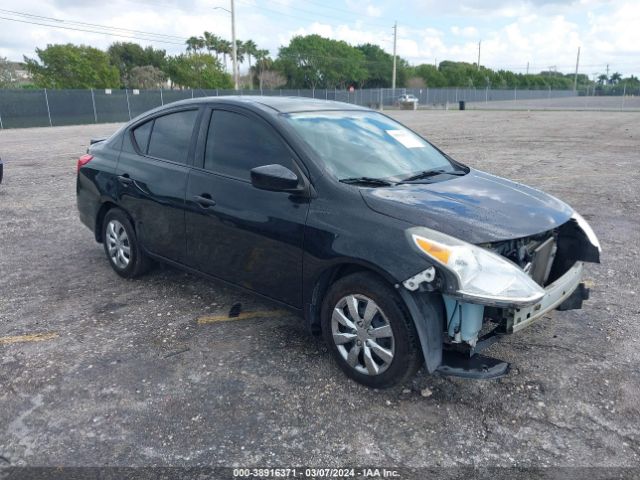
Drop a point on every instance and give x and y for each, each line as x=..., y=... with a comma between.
x=589, y=283
x=243, y=316
x=34, y=337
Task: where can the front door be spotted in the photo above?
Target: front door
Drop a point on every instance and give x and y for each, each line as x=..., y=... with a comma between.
x=236, y=232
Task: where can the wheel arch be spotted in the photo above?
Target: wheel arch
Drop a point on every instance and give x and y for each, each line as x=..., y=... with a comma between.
x=330, y=275
x=420, y=306
x=102, y=212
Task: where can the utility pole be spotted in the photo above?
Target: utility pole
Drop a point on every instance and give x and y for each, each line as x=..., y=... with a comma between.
x=234, y=50
x=575, y=77
x=479, y=43
x=607, y=72
x=527, y=68
x=395, y=39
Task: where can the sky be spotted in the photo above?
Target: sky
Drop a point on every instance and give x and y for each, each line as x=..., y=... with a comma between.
x=513, y=33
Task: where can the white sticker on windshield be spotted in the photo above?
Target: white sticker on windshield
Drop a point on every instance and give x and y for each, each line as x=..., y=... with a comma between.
x=407, y=139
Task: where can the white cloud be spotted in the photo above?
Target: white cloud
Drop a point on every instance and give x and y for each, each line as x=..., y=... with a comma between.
x=468, y=32
x=373, y=11
x=541, y=41
x=353, y=36
x=617, y=31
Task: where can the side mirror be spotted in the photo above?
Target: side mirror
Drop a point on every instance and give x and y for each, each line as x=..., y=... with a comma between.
x=275, y=178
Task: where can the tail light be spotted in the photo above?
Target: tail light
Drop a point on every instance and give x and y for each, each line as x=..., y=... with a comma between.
x=83, y=160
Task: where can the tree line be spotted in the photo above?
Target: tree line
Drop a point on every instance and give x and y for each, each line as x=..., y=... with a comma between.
x=307, y=62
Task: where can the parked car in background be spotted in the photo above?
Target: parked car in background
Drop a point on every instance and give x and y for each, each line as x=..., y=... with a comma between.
x=397, y=254
x=408, y=98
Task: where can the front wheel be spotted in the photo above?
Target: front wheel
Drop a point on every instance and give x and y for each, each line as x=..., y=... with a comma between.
x=369, y=331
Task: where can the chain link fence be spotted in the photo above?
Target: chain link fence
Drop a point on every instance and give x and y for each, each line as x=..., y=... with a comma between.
x=44, y=107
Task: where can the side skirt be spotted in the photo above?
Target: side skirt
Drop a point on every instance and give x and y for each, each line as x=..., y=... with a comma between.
x=226, y=283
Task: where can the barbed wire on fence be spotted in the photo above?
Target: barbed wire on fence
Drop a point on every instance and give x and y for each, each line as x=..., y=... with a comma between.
x=46, y=107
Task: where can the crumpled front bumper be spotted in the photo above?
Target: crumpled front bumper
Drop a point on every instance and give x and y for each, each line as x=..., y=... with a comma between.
x=566, y=293
x=555, y=294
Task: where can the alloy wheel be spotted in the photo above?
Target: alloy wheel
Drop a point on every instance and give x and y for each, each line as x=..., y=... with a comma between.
x=362, y=333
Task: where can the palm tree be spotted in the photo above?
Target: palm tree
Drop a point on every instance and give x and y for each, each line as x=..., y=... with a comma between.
x=615, y=78
x=239, y=55
x=194, y=44
x=263, y=63
x=211, y=42
x=250, y=49
x=224, y=47
x=239, y=51
x=602, y=79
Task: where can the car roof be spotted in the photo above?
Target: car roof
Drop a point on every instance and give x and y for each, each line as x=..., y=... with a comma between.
x=277, y=103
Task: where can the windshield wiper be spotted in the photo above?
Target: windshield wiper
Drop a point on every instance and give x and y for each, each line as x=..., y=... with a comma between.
x=375, y=182
x=433, y=173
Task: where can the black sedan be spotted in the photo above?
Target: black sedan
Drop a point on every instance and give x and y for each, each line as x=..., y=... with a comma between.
x=396, y=253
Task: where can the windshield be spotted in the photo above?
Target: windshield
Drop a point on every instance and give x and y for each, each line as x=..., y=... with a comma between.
x=366, y=144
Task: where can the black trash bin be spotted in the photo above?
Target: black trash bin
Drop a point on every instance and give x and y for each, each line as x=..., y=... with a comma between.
x=462, y=104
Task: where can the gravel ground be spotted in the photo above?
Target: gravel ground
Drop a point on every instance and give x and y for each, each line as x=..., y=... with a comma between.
x=124, y=374
x=627, y=103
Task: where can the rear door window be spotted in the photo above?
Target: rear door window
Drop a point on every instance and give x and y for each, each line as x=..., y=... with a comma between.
x=237, y=143
x=171, y=136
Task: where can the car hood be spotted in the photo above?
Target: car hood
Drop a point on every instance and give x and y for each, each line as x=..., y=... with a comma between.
x=477, y=207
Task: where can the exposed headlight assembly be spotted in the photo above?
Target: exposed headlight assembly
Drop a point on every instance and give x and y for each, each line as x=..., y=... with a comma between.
x=482, y=276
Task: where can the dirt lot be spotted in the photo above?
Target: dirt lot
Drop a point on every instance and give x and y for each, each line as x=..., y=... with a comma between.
x=96, y=370
x=627, y=103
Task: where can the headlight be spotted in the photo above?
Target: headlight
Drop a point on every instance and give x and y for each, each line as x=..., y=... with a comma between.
x=588, y=231
x=483, y=277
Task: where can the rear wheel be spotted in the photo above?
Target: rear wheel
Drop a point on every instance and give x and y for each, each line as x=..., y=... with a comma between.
x=121, y=245
x=369, y=332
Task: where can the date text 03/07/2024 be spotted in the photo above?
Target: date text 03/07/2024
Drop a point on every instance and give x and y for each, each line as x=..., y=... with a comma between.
x=313, y=473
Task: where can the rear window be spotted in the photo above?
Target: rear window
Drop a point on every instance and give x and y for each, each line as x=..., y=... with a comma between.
x=171, y=136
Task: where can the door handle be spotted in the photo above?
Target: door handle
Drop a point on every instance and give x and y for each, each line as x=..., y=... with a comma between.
x=125, y=180
x=205, y=200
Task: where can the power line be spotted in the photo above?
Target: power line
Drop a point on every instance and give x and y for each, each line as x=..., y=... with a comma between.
x=153, y=3
x=91, y=31
x=74, y=22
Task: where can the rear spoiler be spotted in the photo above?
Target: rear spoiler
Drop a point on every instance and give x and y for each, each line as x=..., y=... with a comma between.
x=97, y=140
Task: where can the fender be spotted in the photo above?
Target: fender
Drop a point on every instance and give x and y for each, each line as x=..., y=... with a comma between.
x=427, y=311
x=319, y=276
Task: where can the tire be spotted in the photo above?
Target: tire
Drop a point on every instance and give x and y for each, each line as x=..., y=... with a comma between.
x=121, y=245
x=380, y=349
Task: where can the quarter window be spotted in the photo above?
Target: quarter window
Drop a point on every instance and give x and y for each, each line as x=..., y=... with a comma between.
x=141, y=134
x=171, y=136
x=236, y=144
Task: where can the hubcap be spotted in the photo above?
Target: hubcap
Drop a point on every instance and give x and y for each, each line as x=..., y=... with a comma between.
x=363, y=334
x=118, y=244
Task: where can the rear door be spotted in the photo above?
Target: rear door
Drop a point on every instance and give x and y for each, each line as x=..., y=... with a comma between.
x=235, y=231
x=152, y=175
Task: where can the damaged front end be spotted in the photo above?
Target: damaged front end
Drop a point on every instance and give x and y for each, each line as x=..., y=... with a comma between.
x=499, y=288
